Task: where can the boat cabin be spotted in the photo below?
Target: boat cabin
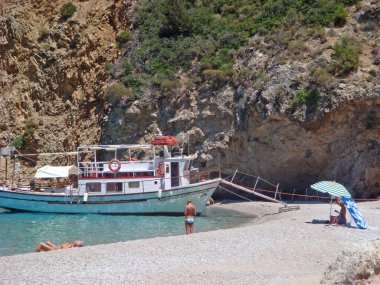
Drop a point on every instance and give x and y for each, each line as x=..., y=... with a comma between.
x=131, y=169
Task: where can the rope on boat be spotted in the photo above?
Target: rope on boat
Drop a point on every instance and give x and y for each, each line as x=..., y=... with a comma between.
x=257, y=177
x=228, y=177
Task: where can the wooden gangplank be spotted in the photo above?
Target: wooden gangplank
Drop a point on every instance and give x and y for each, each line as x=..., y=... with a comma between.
x=285, y=208
x=252, y=191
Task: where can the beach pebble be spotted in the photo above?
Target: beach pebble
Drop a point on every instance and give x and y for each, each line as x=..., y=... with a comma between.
x=277, y=248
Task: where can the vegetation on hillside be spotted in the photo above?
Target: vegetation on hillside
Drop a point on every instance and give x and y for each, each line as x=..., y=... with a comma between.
x=345, y=57
x=201, y=37
x=67, y=10
x=124, y=37
x=308, y=96
x=116, y=92
x=19, y=142
x=22, y=140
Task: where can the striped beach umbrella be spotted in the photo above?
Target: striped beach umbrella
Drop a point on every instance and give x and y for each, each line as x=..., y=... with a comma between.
x=332, y=188
x=338, y=190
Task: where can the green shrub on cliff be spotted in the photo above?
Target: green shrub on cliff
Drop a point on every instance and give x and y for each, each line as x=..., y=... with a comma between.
x=31, y=125
x=345, y=57
x=67, y=10
x=194, y=36
x=325, y=12
x=124, y=37
x=215, y=74
x=340, y=16
x=175, y=20
x=321, y=77
x=309, y=96
x=117, y=92
x=19, y=141
x=43, y=33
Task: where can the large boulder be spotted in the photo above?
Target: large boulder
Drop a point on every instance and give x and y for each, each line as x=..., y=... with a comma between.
x=358, y=265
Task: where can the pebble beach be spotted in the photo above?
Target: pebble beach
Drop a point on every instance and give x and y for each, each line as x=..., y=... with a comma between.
x=275, y=248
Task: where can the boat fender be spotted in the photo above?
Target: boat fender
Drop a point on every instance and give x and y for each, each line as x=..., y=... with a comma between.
x=159, y=169
x=114, y=165
x=85, y=197
x=159, y=193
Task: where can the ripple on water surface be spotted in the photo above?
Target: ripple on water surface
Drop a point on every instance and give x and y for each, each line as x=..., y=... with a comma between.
x=21, y=232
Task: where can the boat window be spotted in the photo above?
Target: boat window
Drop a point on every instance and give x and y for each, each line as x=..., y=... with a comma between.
x=93, y=187
x=134, y=184
x=114, y=187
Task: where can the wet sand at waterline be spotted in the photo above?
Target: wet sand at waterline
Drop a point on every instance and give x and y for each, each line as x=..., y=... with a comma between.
x=277, y=248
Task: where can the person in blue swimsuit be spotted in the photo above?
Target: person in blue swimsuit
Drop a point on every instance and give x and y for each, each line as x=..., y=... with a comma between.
x=190, y=213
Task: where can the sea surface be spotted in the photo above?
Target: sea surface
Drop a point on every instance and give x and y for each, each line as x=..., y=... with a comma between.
x=21, y=232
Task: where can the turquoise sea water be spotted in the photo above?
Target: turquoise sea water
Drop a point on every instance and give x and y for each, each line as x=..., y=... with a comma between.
x=21, y=232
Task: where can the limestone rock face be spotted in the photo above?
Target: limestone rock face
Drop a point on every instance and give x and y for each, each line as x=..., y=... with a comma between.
x=359, y=265
x=243, y=130
x=53, y=72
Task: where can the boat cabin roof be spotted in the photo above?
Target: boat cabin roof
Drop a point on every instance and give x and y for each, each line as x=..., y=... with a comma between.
x=49, y=171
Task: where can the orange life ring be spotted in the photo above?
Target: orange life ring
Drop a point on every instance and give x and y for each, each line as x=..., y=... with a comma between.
x=114, y=165
x=159, y=169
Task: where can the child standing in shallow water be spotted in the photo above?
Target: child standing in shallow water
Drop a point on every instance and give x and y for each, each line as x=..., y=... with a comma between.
x=190, y=213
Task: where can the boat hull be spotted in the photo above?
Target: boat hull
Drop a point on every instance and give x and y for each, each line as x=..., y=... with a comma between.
x=170, y=202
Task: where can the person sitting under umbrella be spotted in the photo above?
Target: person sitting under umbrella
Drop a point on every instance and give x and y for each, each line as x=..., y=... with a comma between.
x=341, y=219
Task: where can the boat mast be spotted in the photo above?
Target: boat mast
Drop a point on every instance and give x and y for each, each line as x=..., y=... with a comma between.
x=95, y=165
x=14, y=165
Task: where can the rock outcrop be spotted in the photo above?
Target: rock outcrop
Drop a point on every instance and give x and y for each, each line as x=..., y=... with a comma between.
x=359, y=265
x=252, y=125
x=54, y=72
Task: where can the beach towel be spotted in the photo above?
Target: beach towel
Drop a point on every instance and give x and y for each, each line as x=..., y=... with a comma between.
x=354, y=211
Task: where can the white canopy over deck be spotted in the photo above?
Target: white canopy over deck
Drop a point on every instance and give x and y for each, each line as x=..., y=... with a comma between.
x=49, y=171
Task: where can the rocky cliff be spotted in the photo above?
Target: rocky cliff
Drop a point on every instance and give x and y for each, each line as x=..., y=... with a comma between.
x=53, y=70
x=54, y=77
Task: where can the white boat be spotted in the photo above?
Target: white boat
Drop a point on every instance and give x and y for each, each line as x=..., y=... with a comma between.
x=109, y=179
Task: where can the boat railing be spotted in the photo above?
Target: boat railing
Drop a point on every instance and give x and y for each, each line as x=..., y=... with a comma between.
x=45, y=189
x=193, y=178
x=102, y=168
x=204, y=175
x=182, y=180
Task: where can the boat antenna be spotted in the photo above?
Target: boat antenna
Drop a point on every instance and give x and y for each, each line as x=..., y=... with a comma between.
x=14, y=166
